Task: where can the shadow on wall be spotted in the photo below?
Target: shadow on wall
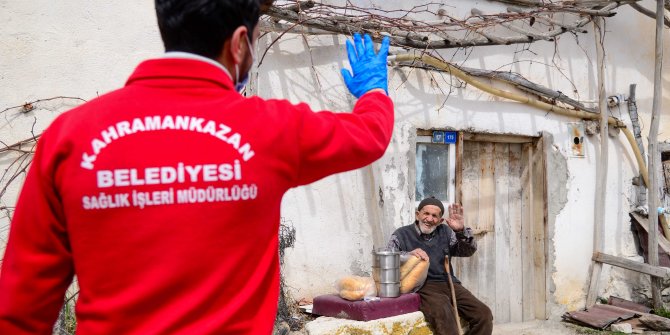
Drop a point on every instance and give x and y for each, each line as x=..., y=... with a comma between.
x=305, y=69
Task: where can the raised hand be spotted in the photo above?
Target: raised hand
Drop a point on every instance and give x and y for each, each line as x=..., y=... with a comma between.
x=369, y=69
x=455, y=219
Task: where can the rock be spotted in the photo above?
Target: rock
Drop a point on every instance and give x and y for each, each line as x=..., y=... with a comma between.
x=281, y=328
x=622, y=328
x=412, y=323
x=655, y=322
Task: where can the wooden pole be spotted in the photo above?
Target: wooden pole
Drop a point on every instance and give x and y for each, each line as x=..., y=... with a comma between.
x=601, y=169
x=453, y=296
x=654, y=156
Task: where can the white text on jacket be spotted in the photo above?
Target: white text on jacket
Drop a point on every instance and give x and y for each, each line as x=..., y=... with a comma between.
x=164, y=175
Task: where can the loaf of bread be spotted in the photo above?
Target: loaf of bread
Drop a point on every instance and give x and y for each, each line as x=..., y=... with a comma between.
x=408, y=265
x=356, y=288
x=413, y=273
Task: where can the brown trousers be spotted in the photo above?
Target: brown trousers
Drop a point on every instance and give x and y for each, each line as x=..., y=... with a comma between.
x=437, y=308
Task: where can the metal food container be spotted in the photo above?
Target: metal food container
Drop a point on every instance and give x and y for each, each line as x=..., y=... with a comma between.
x=386, y=259
x=380, y=275
x=388, y=290
x=386, y=272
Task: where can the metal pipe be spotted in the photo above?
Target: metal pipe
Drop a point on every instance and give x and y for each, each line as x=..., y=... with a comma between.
x=637, y=131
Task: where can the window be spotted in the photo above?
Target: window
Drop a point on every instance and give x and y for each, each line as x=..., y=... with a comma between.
x=435, y=166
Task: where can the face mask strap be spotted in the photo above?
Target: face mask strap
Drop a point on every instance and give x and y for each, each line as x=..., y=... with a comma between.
x=251, y=49
x=239, y=85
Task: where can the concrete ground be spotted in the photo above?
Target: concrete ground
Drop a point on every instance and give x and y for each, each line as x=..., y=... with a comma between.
x=536, y=327
x=414, y=323
x=550, y=327
x=331, y=326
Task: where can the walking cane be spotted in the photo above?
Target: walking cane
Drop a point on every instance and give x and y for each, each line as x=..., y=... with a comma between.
x=453, y=295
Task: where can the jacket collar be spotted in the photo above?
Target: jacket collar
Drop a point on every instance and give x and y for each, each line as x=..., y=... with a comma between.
x=187, y=68
x=188, y=55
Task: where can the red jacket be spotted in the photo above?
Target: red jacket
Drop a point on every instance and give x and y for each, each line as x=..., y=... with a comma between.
x=163, y=198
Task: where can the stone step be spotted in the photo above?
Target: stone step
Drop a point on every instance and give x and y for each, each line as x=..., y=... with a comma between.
x=405, y=324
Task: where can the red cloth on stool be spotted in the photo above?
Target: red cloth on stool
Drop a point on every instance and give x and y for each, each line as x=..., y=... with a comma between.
x=334, y=306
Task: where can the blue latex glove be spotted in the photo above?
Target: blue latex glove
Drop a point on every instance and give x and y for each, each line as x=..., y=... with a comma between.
x=369, y=70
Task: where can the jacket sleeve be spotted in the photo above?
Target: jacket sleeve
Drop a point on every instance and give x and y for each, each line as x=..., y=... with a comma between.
x=462, y=244
x=37, y=266
x=329, y=142
x=394, y=243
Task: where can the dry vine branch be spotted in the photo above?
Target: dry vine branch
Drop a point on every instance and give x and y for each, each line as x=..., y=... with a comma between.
x=30, y=106
x=23, y=162
x=513, y=26
x=23, y=151
x=17, y=146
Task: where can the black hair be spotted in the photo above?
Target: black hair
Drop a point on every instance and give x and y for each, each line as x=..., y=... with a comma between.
x=202, y=26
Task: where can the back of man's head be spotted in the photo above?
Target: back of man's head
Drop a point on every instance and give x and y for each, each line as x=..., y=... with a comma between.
x=202, y=26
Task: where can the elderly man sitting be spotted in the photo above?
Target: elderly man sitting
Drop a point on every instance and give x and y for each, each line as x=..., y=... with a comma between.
x=429, y=239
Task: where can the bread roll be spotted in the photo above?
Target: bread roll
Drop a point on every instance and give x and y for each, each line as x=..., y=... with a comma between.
x=352, y=295
x=408, y=265
x=415, y=278
x=353, y=283
x=356, y=288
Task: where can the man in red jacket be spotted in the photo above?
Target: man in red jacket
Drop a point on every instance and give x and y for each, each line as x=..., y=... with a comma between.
x=163, y=197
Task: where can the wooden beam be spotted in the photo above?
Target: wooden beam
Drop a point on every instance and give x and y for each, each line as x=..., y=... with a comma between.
x=601, y=169
x=429, y=132
x=644, y=223
x=528, y=270
x=293, y=28
x=656, y=271
x=439, y=38
x=539, y=228
x=654, y=153
x=459, y=169
x=500, y=40
x=503, y=283
x=516, y=258
x=549, y=21
x=495, y=138
x=531, y=35
x=503, y=40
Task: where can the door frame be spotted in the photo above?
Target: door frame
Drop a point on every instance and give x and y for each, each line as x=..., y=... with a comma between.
x=538, y=183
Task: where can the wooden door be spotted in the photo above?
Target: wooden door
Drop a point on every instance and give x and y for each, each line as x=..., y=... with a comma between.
x=502, y=189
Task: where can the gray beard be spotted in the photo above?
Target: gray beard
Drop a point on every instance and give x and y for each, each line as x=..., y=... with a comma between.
x=423, y=228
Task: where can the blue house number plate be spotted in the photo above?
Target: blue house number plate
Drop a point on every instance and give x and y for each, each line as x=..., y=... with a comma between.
x=448, y=137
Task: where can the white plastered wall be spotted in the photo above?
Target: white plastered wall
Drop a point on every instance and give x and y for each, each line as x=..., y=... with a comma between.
x=85, y=48
x=70, y=49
